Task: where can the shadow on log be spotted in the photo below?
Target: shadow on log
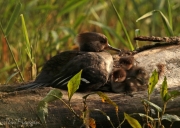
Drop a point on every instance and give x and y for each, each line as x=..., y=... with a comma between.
x=18, y=109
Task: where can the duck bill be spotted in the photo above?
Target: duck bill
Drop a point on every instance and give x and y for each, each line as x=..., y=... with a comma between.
x=112, y=48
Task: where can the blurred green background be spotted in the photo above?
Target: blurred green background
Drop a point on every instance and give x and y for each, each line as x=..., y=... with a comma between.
x=53, y=24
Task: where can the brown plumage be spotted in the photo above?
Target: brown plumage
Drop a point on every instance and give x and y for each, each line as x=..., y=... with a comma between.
x=126, y=62
x=118, y=75
x=96, y=65
x=135, y=79
x=93, y=42
x=116, y=79
x=134, y=85
x=138, y=73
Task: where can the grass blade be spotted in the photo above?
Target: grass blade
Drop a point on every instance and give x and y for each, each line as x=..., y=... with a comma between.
x=25, y=31
x=28, y=48
x=145, y=16
x=13, y=18
x=167, y=24
x=9, y=78
x=71, y=5
x=169, y=13
x=5, y=37
x=165, y=21
x=109, y=30
x=130, y=46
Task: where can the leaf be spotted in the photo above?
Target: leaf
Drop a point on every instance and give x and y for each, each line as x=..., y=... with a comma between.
x=52, y=95
x=133, y=122
x=171, y=118
x=42, y=109
x=165, y=95
x=170, y=95
x=13, y=17
x=164, y=90
x=107, y=100
x=153, y=105
x=143, y=115
x=92, y=123
x=73, y=84
x=152, y=82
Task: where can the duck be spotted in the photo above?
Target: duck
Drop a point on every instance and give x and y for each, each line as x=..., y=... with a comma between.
x=92, y=58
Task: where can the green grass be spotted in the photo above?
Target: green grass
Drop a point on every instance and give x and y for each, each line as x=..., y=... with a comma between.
x=52, y=25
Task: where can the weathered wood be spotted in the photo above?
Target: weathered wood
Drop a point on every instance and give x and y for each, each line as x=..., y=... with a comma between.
x=168, y=56
x=16, y=106
x=158, y=39
x=19, y=108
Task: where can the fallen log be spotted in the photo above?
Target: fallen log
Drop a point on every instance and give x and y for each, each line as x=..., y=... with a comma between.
x=18, y=109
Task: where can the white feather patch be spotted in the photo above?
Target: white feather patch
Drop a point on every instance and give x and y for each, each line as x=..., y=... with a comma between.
x=84, y=80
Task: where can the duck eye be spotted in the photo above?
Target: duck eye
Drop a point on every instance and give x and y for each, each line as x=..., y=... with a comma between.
x=103, y=41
